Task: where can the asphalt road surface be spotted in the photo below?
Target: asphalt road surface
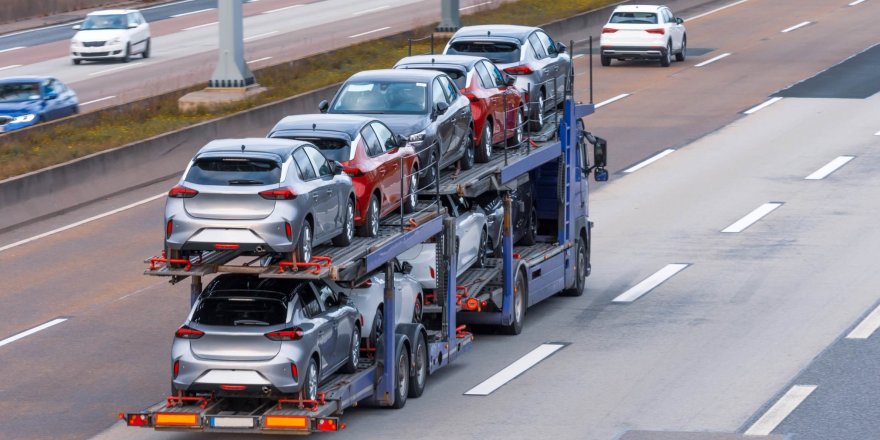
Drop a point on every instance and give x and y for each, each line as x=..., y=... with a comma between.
x=759, y=212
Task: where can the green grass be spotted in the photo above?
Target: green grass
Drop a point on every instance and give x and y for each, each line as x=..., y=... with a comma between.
x=111, y=128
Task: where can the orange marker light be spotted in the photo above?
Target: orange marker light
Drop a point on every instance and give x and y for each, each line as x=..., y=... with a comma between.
x=177, y=419
x=285, y=422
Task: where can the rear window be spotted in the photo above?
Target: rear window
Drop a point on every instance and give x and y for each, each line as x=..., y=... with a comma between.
x=239, y=311
x=234, y=171
x=333, y=148
x=634, y=18
x=501, y=52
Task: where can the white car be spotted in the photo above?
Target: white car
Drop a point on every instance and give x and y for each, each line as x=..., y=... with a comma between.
x=643, y=32
x=369, y=298
x=111, y=35
x=472, y=242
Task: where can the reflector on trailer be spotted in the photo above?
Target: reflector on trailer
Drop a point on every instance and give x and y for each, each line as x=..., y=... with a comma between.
x=286, y=422
x=328, y=425
x=136, y=419
x=177, y=419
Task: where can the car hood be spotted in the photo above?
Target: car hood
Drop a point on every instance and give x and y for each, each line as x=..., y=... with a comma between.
x=405, y=125
x=99, y=34
x=19, y=108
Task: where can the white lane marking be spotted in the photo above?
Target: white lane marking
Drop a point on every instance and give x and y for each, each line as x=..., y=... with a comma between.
x=367, y=11
x=11, y=49
x=752, y=217
x=254, y=37
x=513, y=370
x=877, y=133
x=797, y=26
x=82, y=222
x=191, y=12
x=766, y=103
x=829, y=168
x=474, y=6
x=867, y=327
x=648, y=284
x=577, y=56
x=259, y=59
x=26, y=333
x=726, y=54
x=715, y=10
x=609, y=101
x=200, y=26
x=98, y=100
x=780, y=410
x=10, y=67
x=71, y=23
x=127, y=66
x=281, y=9
x=856, y=2
x=166, y=4
x=369, y=32
x=649, y=160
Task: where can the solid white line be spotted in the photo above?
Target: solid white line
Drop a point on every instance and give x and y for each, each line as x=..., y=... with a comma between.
x=752, y=217
x=367, y=11
x=797, y=26
x=98, y=100
x=254, y=37
x=831, y=167
x=780, y=410
x=856, y=2
x=649, y=160
x=166, y=4
x=648, y=284
x=877, y=133
x=39, y=29
x=82, y=222
x=200, y=26
x=259, y=59
x=609, y=101
x=867, y=327
x=10, y=67
x=369, y=32
x=127, y=66
x=25, y=333
x=474, y=6
x=281, y=9
x=715, y=10
x=727, y=54
x=766, y=103
x=513, y=370
x=11, y=49
x=577, y=56
x=191, y=12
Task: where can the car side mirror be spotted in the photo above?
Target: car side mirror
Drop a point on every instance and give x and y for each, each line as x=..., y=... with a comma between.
x=77, y=27
x=132, y=25
x=509, y=80
x=679, y=20
x=400, y=139
x=441, y=108
x=406, y=268
x=335, y=167
x=560, y=47
x=323, y=106
x=51, y=95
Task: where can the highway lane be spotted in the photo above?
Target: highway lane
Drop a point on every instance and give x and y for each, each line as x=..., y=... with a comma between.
x=676, y=200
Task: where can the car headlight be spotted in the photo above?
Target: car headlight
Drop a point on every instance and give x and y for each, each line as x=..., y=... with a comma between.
x=113, y=41
x=74, y=41
x=22, y=118
x=417, y=138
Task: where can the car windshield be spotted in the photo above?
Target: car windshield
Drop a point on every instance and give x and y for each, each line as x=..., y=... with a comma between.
x=17, y=92
x=95, y=22
x=333, y=148
x=239, y=311
x=634, y=18
x=234, y=171
x=501, y=52
x=382, y=97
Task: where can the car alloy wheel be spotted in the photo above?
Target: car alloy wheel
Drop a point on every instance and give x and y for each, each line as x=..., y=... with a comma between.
x=484, y=154
x=412, y=197
x=349, y=221
x=374, y=217
x=127, y=56
x=483, y=251
x=538, y=123
x=518, y=133
x=352, y=362
x=467, y=160
x=667, y=57
x=680, y=56
x=417, y=310
x=305, y=243
x=312, y=383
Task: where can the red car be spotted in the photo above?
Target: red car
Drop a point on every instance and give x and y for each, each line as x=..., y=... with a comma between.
x=370, y=153
x=489, y=90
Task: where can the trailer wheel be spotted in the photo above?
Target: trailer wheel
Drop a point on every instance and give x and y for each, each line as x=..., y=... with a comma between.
x=580, y=282
x=519, y=305
x=420, y=368
x=351, y=364
x=401, y=384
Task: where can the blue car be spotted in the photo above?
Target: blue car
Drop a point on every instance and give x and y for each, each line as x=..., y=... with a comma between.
x=27, y=100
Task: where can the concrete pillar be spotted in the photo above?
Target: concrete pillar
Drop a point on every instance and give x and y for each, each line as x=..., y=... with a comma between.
x=231, y=70
x=450, y=18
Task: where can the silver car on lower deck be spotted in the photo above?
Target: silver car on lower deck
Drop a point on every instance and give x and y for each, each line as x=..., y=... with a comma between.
x=259, y=195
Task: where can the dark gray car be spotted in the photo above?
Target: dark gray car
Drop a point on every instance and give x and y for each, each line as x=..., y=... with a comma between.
x=423, y=105
x=539, y=64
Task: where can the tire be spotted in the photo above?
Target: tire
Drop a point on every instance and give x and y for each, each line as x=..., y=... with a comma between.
x=77, y=62
x=467, y=160
x=667, y=58
x=430, y=177
x=484, y=151
x=127, y=57
x=344, y=238
x=146, y=53
x=538, y=122
x=517, y=138
x=370, y=228
x=419, y=374
x=581, y=272
x=310, y=382
x=417, y=310
x=531, y=234
x=351, y=364
x=483, y=251
x=520, y=301
x=409, y=204
x=378, y=326
x=401, y=382
x=303, y=252
x=606, y=61
x=680, y=56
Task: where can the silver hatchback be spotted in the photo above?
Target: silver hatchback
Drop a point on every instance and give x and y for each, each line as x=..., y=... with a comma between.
x=259, y=195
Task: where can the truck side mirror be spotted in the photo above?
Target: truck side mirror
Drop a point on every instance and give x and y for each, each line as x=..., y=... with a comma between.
x=600, y=174
x=323, y=106
x=600, y=152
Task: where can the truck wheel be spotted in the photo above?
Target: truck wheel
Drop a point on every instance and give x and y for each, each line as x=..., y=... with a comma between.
x=351, y=364
x=519, y=305
x=582, y=258
x=347, y=234
x=420, y=371
x=401, y=383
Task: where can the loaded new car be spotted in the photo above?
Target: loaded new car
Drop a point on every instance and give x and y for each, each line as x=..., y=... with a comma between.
x=523, y=216
x=111, y=35
x=29, y=100
x=540, y=65
x=259, y=195
x=248, y=336
x=643, y=32
x=369, y=297
x=423, y=105
x=496, y=105
x=378, y=161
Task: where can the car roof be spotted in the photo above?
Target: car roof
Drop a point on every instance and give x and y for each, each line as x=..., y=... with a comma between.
x=490, y=31
x=24, y=79
x=112, y=12
x=396, y=74
x=467, y=61
x=278, y=147
x=638, y=8
x=340, y=123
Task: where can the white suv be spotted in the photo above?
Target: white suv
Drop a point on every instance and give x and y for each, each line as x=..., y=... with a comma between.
x=113, y=34
x=643, y=32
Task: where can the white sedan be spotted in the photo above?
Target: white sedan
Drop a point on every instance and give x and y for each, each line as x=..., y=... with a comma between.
x=369, y=298
x=643, y=32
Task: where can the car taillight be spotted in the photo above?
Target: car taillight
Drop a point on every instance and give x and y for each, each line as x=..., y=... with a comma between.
x=233, y=387
x=431, y=271
x=188, y=333
x=471, y=97
x=137, y=419
x=169, y=228
x=518, y=70
x=365, y=284
x=658, y=31
x=278, y=194
x=294, y=372
x=288, y=334
x=176, y=369
x=352, y=171
x=182, y=192
x=288, y=230
x=608, y=30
